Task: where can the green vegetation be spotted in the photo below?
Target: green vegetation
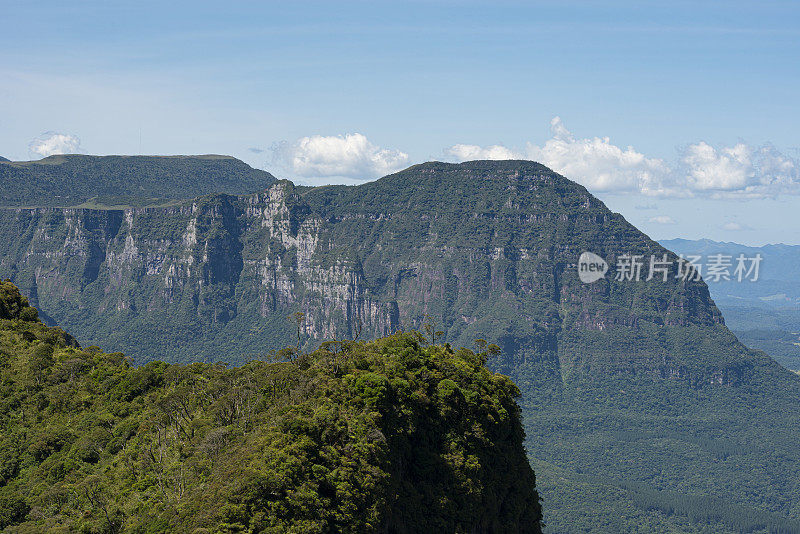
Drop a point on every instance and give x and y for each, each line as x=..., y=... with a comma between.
x=599, y=504
x=115, y=181
x=782, y=345
x=395, y=435
x=637, y=401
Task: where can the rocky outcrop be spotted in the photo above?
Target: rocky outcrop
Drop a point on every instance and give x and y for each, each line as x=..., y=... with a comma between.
x=487, y=250
x=206, y=262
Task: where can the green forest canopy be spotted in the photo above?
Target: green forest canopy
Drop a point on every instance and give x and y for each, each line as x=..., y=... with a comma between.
x=394, y=435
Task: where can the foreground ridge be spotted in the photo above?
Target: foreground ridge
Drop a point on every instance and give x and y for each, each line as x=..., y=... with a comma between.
x=393, y=435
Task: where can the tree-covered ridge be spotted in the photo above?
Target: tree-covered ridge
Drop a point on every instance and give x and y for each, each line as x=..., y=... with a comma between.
x=639, y=385
x=394, y=435
x=102, y=181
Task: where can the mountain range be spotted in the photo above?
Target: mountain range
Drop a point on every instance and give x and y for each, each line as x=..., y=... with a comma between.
x=643, y=411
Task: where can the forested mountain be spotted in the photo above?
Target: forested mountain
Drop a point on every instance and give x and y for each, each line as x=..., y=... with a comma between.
x=642, y=411
x=395, y=435
x=100, y=181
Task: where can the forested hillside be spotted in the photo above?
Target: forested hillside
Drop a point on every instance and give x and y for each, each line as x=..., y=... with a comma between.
x=394, y=435
x=102, y=181
x=642, y=410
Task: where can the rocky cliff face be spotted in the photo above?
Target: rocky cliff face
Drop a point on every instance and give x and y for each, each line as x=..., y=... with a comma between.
x=629, y=380
x=218, y=263
x=473, y=247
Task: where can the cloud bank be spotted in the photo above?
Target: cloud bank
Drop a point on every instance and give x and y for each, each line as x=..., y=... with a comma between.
x=599, y=164
x=470, y=152
x=701, y=169
x=349, y=155
x=52, y=143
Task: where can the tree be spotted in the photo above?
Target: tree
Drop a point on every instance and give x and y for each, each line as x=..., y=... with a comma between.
x=298, y=318
x=429, y=325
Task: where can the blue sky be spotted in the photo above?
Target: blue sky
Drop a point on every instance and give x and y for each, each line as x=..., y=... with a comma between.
x=705, y=94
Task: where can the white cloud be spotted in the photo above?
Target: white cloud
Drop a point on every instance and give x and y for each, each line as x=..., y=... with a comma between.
x=472, y=152
x=598, y=164
x=740, y=171
x=662, y=219
x=726, y=169
x=51, y=143
x=700, y=170
x=776, y=172
x=350, y=155
x=593, y=162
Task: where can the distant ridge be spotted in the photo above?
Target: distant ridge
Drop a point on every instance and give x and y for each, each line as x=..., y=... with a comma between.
x=102, y=181
x=4, y=159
